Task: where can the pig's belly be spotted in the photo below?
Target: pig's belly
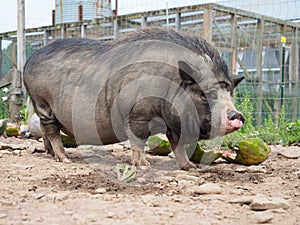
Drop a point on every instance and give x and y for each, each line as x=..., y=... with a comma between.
x=92, y=133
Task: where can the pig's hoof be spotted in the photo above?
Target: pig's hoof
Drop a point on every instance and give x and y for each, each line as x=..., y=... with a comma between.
x=140, y=162
x=66, y=160
x=188, y=166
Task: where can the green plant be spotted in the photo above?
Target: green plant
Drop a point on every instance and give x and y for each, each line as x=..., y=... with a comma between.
x=292, y=133
x=23, y=114
x=4, y=109
x=269, y=132
x=247, y=108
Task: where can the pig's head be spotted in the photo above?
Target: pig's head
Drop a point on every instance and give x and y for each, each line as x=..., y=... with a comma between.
x=211, y=92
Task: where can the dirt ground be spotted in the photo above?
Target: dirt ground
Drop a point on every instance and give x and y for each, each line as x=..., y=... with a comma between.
x=35, y=189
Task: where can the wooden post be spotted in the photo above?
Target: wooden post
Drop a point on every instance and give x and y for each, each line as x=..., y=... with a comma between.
x=259, y=74
x=14, y=54
x=116, y=28
x=46, y=37
x=143, y=21
x=208, y=23
x=294, y=72
x=53, y=17
x=83, y=31
x=17, y=95
x=233, y=43
x=21, y=44
x=167, y=14
x=80, y=12
x=1, y=75
x=63, y=31
x=115, y=11
x=178, y=21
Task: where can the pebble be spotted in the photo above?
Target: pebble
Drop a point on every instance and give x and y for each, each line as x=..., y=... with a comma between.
x=126, y=144
x=39, y=220
x=241, y=169
x=207, y=188
x=5, y=152
x=97, y=196
x=187, y=177
x=3, y=215
x=117, y=147
x=100, y=190
x=144, y=168
x=23, y=167
x=68, y=212
x=37, y=195
x=161, y=178
x=256, y=169
x=177, y=199
x=68, y=181
x=31, y=149
x=76, y=216
x=185, y=183
x=1, y=155
x=261, y=202
x=24, y=214
x=265, y=203
x=278, y=211
x=290, y=153
x=243, y=200
x=58, y=196
x=17, y=152
x=261, y=217
x=111, y=214
x=241, y=187
x=150, y=200
x=4, y=146
x=141, y=180
x=7, y=203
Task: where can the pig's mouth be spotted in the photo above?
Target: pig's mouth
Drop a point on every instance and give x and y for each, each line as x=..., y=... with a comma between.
x=235, y=121
x=233, y=125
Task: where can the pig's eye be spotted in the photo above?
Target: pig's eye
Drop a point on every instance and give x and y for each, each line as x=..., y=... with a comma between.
x=225, y=86
x=203, y=96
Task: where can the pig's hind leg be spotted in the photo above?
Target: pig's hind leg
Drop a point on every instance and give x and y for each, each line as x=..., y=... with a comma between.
x=52, y=141
x=51, y=128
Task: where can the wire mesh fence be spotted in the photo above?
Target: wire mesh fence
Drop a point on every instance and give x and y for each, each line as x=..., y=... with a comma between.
x=259, y=39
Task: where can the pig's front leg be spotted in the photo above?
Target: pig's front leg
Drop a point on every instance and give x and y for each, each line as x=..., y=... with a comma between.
x=182, y=160
x=180, y=155
x=139, y=158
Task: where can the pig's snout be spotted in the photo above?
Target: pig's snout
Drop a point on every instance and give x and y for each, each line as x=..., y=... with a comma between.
x=235, y=121
x=232, y=115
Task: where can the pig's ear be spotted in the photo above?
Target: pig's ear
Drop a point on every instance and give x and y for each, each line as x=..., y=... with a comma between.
x=185, y=72
x=236, y=79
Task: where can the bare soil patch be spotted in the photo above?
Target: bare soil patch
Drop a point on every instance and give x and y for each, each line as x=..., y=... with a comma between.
x=35, y=189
